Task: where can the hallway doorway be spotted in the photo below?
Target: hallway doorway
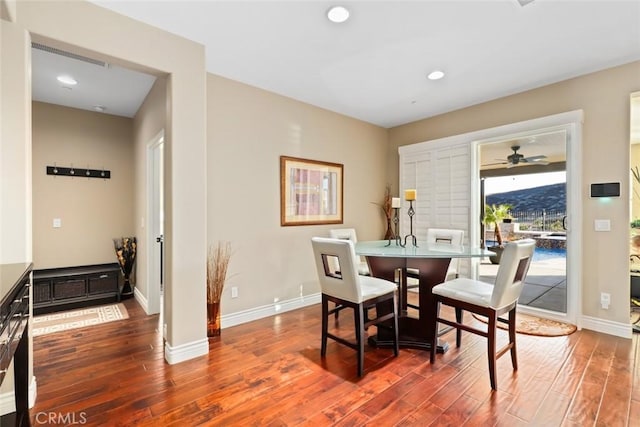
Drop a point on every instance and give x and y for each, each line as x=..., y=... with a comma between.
x=155, y=223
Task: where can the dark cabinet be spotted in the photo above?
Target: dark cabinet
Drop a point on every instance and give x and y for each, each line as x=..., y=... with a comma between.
x=64, y=288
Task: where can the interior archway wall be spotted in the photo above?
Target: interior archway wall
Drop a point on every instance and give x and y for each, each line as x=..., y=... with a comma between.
x=128, y=42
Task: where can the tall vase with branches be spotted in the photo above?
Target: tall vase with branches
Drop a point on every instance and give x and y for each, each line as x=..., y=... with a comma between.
x=387, y=211
x=218, y=258
x=126, y=248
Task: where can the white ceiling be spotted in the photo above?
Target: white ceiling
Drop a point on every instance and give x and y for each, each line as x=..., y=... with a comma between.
x=117, y=90
x=374, y=66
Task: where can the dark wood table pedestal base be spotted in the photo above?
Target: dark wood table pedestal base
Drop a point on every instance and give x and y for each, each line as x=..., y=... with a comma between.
x=409, y=342
x=420, y=341
x=414, y=332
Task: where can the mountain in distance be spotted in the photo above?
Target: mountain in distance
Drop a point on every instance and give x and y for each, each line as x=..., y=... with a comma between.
x=551, y=197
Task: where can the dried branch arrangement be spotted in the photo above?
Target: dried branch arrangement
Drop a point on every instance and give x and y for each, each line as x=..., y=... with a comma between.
x=217, y=263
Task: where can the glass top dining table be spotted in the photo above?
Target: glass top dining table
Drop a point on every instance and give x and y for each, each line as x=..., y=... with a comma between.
x=423, y=250
x=428, y=264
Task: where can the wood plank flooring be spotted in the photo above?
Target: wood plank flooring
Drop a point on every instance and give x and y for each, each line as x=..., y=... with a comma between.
x=269, y=373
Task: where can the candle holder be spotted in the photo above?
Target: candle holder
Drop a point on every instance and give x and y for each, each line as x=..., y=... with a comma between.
x=411, y=212
x=396, y=220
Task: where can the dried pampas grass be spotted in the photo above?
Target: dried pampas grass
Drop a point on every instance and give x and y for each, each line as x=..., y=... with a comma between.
x=217, y=263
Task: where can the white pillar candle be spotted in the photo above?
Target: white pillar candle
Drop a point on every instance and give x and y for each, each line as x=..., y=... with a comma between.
x=395, y=202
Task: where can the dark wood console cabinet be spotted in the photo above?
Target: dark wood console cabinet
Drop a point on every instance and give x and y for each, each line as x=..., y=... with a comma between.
x=65, y=288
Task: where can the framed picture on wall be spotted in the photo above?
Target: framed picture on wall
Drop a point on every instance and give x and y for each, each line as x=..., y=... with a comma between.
x=310, y=192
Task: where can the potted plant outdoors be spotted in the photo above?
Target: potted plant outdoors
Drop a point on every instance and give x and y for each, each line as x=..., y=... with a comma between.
x=495, y=215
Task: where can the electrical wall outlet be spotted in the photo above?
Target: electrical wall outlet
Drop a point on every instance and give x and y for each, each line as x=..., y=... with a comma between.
x=57, y=222
x=605, y=300
x=234, y=292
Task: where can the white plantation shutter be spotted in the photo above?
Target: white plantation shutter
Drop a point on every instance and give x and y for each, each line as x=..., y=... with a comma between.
x=416, y=175
x=441, y=175
x=452, y=192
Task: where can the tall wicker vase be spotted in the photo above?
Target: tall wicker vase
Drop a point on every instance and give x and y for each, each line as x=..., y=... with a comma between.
x=213, y=319
x=126, y=248
x=217, y=262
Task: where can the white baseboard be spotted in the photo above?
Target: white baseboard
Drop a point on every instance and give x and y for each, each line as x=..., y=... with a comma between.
x=618, y=329
x=142, y=300
x=184, y=352
x=188, y=351
x=8, y=401
x=256, y=313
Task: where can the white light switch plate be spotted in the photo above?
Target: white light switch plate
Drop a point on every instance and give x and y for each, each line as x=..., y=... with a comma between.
x=602, y=225
x=57, y=223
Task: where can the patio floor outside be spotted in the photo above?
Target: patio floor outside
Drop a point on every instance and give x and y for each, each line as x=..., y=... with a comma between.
x=545, y=286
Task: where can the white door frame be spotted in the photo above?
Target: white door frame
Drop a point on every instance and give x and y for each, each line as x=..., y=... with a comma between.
x=571, y=123
x=154, y=221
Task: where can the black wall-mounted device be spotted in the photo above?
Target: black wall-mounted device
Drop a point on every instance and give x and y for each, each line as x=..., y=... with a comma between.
x=606, y=189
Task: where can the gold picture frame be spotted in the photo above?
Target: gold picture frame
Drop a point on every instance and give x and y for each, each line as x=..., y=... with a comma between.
x=310, y=192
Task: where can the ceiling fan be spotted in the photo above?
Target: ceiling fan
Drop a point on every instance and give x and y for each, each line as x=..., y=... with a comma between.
x=516, y=159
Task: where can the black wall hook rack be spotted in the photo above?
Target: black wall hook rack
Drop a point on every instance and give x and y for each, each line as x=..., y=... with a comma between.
x=79, y=172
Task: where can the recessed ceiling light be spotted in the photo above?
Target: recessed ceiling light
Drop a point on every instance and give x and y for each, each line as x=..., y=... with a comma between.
x=100, y=108
x=67, y=80
x=435, y=75
x=338, y=14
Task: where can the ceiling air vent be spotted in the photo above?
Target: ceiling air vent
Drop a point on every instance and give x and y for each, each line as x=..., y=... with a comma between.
x=69, y=55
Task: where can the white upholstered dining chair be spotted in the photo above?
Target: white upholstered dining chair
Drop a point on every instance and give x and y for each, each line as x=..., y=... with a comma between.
x=489, y=300
x=350, y=234
x=450, y=237
x=347, y=288
x=439, y=236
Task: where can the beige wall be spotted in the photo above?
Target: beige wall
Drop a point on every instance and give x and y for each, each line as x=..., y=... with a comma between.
x=604, y=98
x=248, y=130
x=124, y=41
x=15, y=151
x=149, y=121
x=93, y=211
x=8, y=10
x=15, y=158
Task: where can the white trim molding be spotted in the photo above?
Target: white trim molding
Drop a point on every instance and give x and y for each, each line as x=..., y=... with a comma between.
x=183, y=352
x=8, y=401
x=188, y=351
x=142, y=300
x=618, y=329
x=277, y=307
